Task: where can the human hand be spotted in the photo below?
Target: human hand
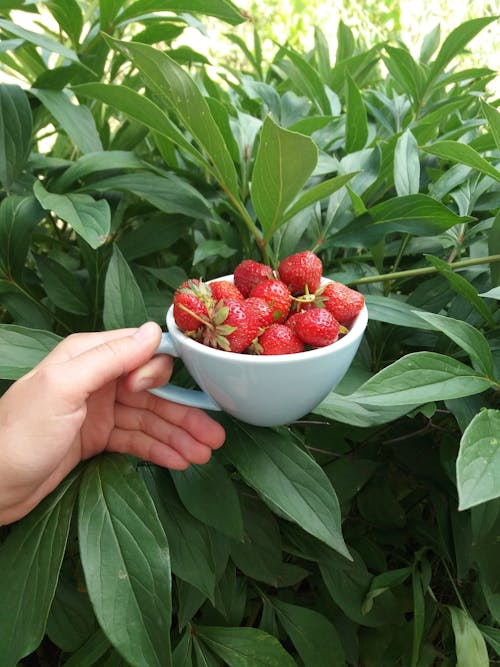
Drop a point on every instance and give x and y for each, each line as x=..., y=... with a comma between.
x=89, y=395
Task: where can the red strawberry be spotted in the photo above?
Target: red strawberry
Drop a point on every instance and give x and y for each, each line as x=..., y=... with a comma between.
x=317, y=327
x=291, y=321
x=279, y=339
x=343, y=302
x=223, y=289
x=262, y=310
x=189, y=311
x=249, y=273
x=301, y=272
x=232, y=327
x=277, y=295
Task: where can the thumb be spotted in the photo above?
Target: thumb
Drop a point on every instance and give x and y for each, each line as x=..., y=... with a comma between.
x=109, y=360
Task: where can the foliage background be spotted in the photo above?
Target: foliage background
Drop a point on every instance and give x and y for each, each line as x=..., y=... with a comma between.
x=337, y=540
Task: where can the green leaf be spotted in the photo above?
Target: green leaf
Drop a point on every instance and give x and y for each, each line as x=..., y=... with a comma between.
x=466, y=336
x=69, y=17
x=168, y=192
x=22, y=348
x=356, y=118
x=478, y=461
x=392, y=310
x=469, y=642
x=41, y=40
x=493, y=293
x=189, y=539
x=317, y=193
x=417, y=214
x=418, y=378
x=30, y=561
x=18, y=217
x=454, y=44
x=493, y=117
x=278, y=176
x=76, y=120
x=464, y=288
x=123, y=302
x=223, y=10
x=494, y=249
x=312, y=634
x=181, y=94
x=71, y=620
x=89, y=218
x=212, y=248
x=347, y=411
x=245, y=647
x=94, y=163
x=91, y=652
x=208, y=493
x=382, y=582
x=259, y=556
x=455, y=151
x=307, y=80
x=125, y=559
x=406, y=165
x=405, y=71
x=144, y=111
x=283, y=474
x=62, y=286
x=15, y=133
x=492, y=636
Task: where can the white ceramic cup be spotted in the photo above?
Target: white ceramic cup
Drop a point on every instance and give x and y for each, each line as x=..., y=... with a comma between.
x=267, y=390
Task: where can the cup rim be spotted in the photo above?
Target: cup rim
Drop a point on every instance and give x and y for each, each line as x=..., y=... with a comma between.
x=354, y=333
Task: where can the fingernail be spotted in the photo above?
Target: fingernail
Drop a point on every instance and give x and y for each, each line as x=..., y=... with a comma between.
x=146, y=331
x=143, y=381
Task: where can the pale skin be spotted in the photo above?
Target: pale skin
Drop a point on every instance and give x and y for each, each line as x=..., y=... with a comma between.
x=87, y=396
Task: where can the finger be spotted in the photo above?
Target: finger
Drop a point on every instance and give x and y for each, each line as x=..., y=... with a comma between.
x=77, y=343
x=193, y=420
x=155, y=372
x=109, y=360
x=146, y=448
x=171, y=436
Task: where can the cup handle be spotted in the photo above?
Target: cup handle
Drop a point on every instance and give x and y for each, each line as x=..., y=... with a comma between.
x=191, y=397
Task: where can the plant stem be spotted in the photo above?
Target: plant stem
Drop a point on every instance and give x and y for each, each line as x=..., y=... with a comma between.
x=428, y=270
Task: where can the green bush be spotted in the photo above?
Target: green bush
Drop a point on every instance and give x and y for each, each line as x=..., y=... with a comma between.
x=367, y=532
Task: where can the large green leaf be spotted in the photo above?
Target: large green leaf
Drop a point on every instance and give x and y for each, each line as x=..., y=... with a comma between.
x=91, y=219
x=69, y=17
x=189, y=539
x=245, y=647
x=416, y=214
x=39, y=39
x=478, y=461
x=466, y=336
x=356, y=133
x=209, y=494
x=94, y=163
x=30, y=560
x=62, y=286
x=317, y=193
x=123, y=301
x=463, y=287
x=125, y=558
x=278, y=176
x=306, y=79
x=286, y=476
x=405, y=71
x=493, y=118
x=312, y=634
x=223, y=10
x=22, y=348
x=406, y=165
x=182, y=96
x=142, y=110
x=18, y=217
x=456, y=151
x=470, y=645
x=454, y=44
x=15, y=133
x=421, y=377
x=168, y=192
x=76, y=120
